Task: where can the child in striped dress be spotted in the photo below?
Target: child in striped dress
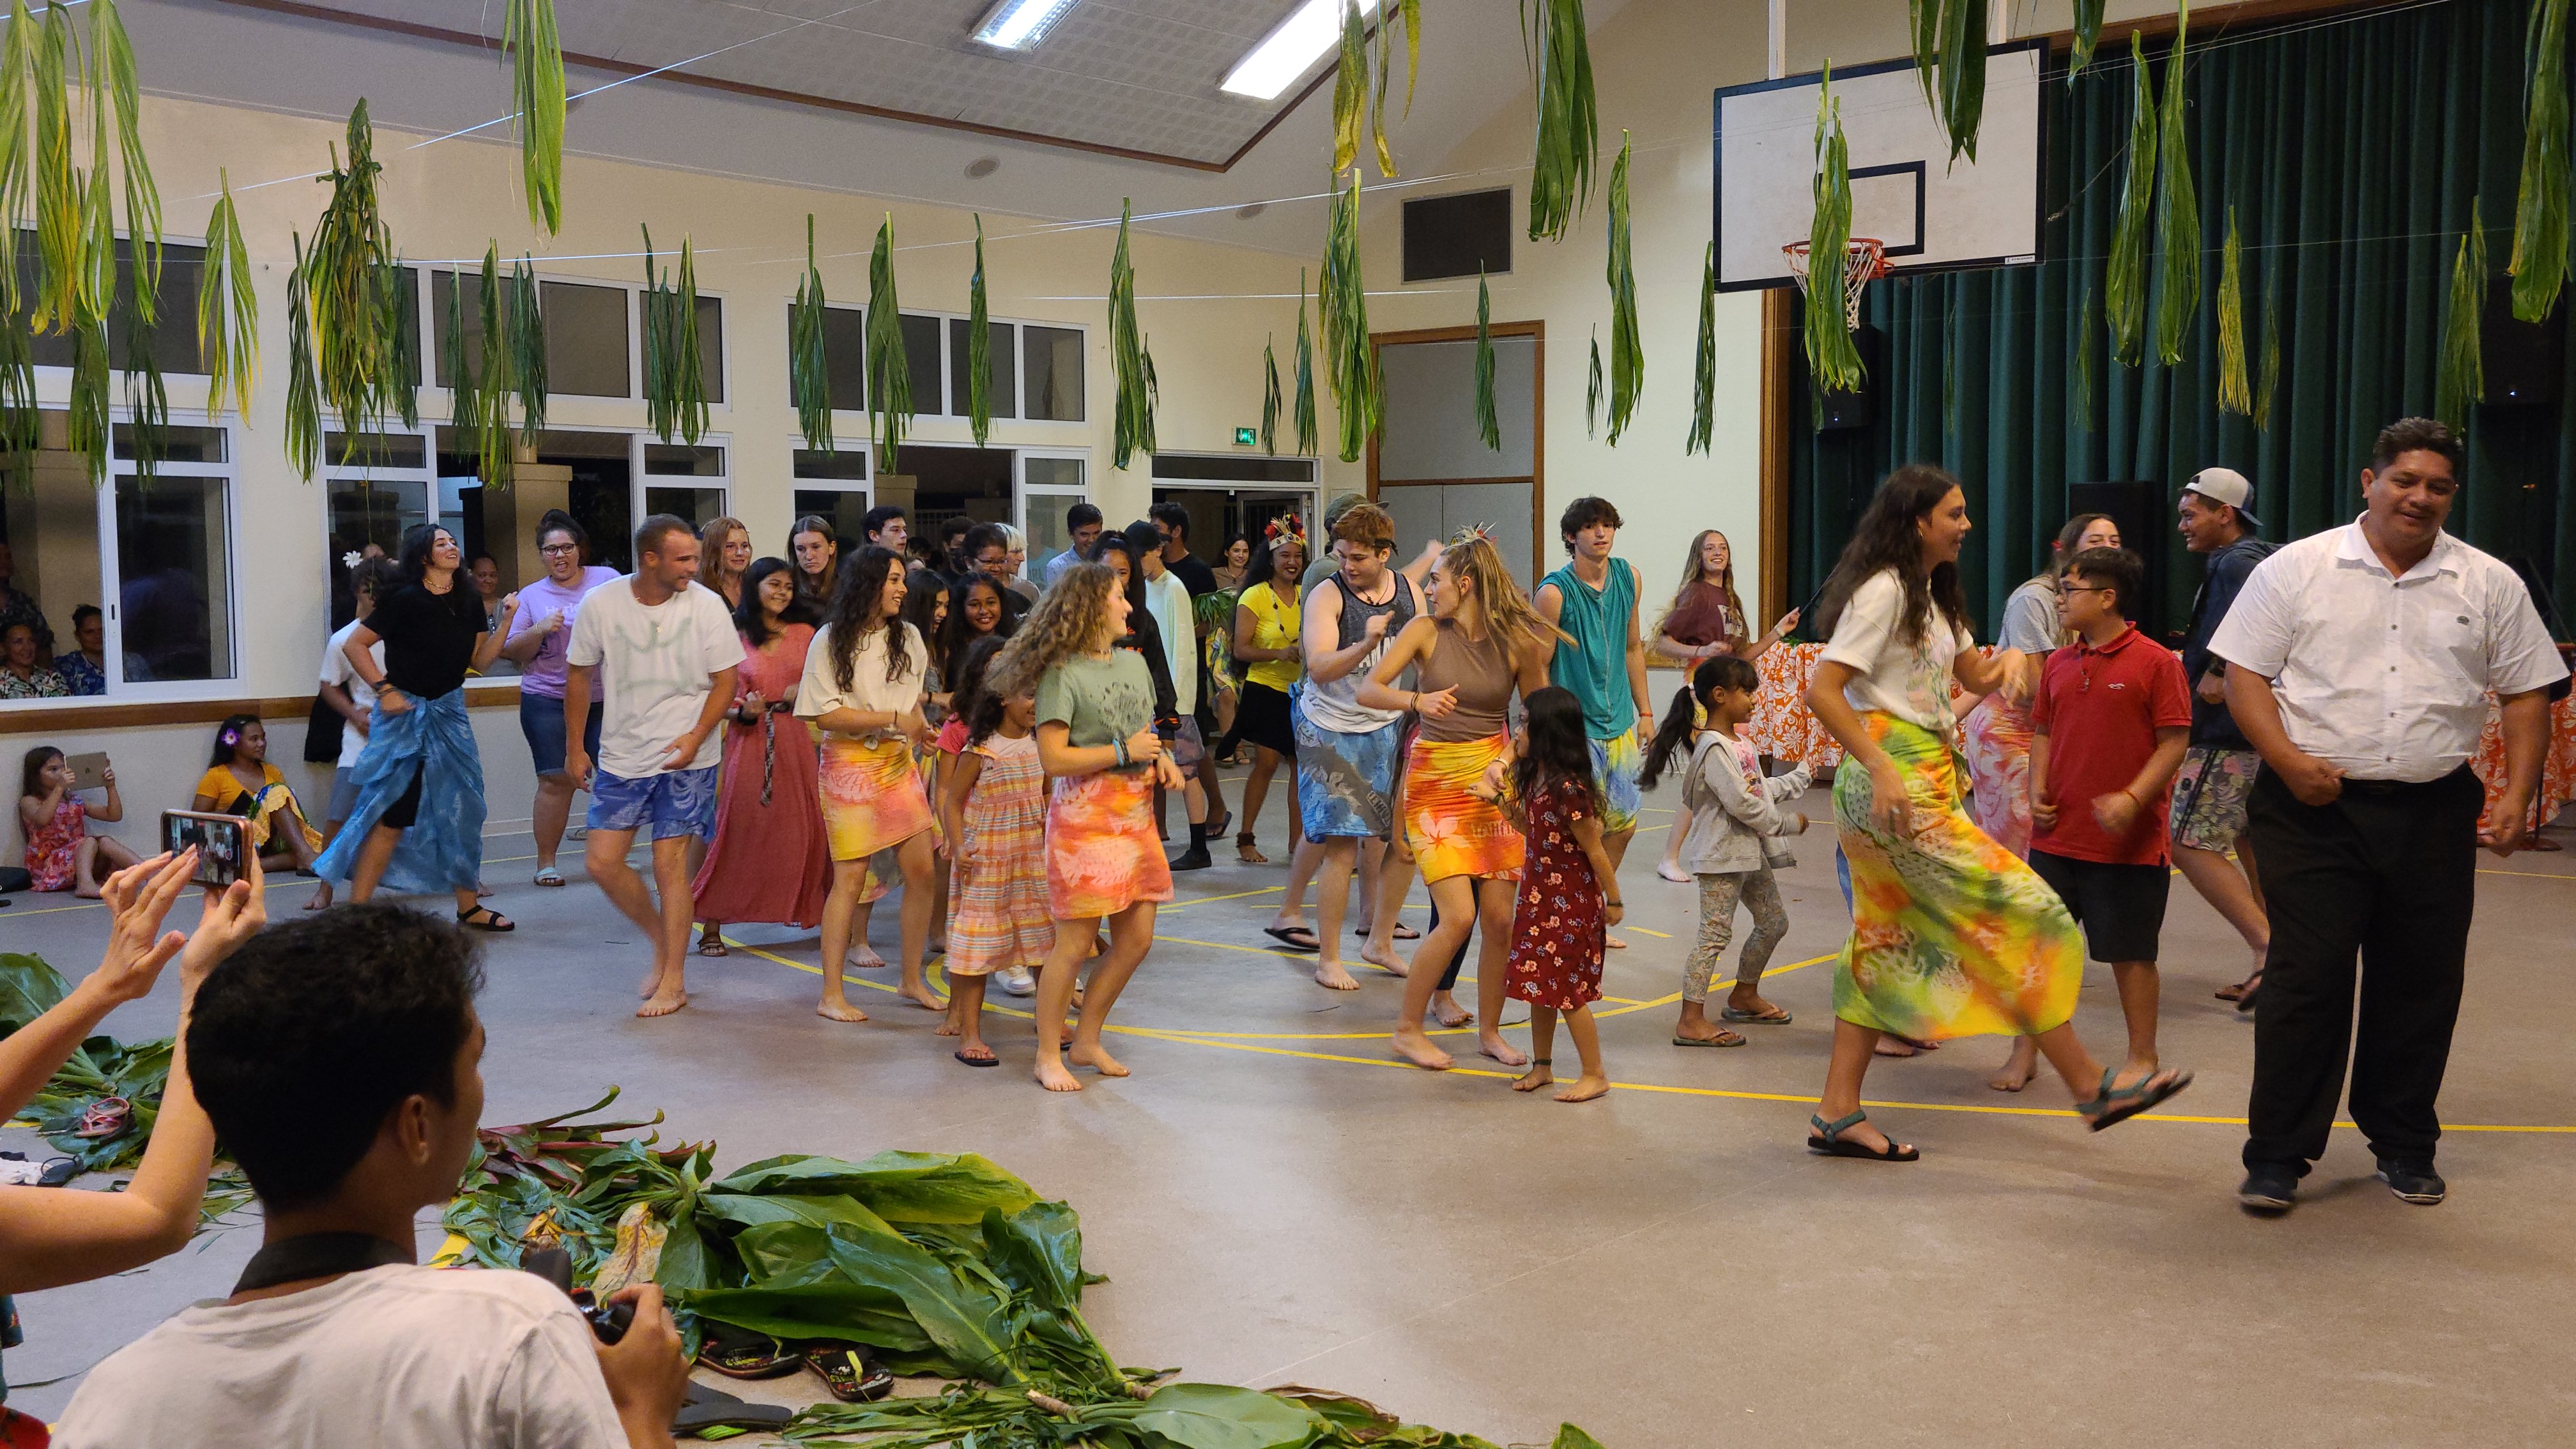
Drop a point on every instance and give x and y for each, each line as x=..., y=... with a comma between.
x=994, y=808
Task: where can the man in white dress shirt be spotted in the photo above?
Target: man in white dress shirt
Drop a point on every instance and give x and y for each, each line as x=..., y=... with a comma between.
x=2359, y=663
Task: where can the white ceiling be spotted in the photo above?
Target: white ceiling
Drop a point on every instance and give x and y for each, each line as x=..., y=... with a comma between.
x=1138, y=75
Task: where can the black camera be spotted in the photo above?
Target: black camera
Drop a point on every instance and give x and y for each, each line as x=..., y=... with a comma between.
x=608, y=1321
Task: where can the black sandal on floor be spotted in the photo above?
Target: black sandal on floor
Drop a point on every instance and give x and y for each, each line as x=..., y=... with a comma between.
x=739, y=1353
x=852, y=1376
x=1827, y=1141
x=2114, y=1105
x=489, y=920
x=712, y=1408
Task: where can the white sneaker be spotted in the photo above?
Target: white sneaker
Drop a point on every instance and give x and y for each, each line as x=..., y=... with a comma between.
x=1018, y=982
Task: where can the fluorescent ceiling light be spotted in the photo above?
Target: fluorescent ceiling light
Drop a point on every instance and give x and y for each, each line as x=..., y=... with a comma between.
x=1020, y=24
x=1283, y=55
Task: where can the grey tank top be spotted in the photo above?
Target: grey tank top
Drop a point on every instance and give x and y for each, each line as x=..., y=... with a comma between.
x=1481, y=672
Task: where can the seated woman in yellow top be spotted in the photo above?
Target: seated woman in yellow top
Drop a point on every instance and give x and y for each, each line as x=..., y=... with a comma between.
x=241, y=781
x=1266, y=644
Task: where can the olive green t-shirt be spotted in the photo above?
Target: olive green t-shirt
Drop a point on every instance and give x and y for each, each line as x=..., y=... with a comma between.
x=1099, y=701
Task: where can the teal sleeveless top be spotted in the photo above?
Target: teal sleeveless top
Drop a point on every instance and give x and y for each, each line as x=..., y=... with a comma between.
x=1595, y=666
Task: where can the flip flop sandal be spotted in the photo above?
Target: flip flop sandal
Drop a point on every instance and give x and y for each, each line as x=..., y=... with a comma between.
x=2235, y=992
x=104, y=1118
x=484, y=918
x=2118, y=1104
x=846, y=1369
x=550, y=877
x=2253, y=989
x=739, y=1353
x=1216, y=828
x=1402, y=932
x=982, y=1061
x=1722, y=1039
x=1286, y=936
x=58, y=1171
x=712, y=946
x=1776, y=1016
x=713, y=1408
x=1827, y=1141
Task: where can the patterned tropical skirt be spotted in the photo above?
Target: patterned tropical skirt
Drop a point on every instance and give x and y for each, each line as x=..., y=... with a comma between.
x=872, y=795
x=1451, y=831
x=1996, y=737
x=1952, y=935
x=1101, y=852
x=999, y=921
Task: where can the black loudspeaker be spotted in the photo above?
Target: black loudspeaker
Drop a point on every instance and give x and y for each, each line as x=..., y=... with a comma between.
x=1456, y=236
x=2524, y=361
x=1857, y=408
x=2146, y=529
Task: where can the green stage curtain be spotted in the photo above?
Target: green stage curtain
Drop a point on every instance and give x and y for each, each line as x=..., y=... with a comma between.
x=2351, y=146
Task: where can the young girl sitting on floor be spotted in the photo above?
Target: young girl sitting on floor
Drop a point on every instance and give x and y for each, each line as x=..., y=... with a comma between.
x=995, y=810
x=61, y=853
x=239, y=780
x=1563, y=914
x=1734, y=815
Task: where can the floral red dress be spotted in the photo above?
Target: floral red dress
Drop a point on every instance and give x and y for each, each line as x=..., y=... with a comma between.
x=1558, y=924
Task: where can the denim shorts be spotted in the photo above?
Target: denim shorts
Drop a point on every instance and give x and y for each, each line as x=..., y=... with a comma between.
x=541, y=719
x=676, y=803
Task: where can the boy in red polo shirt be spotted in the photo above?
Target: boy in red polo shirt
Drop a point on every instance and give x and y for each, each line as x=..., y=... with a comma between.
x=2111, y=721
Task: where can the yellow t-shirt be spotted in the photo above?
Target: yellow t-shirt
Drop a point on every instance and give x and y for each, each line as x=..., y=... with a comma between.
x=219, y=785
x=1275, y=626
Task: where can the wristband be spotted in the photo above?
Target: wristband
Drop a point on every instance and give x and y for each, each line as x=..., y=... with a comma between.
x=1119, y=748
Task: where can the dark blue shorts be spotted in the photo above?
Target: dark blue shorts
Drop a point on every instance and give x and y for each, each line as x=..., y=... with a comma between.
x=542, y=720
x=674, y=804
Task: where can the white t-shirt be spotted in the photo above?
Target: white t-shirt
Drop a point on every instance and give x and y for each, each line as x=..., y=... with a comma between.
x=336, y=669
x=820, y=692
x=655, y=666
x=1169, y=599
x=398, y=1357
x=1908, y=680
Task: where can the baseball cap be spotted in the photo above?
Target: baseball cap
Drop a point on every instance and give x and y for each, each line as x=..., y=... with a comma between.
x=2225, y=485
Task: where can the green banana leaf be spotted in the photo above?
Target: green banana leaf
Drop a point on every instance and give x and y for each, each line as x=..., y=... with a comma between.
x=1210, y=1416
x=28, y=989
x=901, y=1187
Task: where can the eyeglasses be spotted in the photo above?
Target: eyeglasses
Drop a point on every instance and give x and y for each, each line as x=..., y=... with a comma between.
x=552, y=549
x=2064, y=589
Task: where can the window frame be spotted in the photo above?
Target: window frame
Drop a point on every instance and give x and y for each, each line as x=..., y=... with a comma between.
x=432, y=330
x=1066, y=428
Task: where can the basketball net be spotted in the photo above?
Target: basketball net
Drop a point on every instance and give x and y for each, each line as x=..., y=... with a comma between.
x=1863, y=258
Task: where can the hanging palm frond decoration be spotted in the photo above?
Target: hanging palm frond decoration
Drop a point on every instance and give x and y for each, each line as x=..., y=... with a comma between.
x=19, y=413
x=1350, y=363
x=348, y=272
x=112, y=81
x=1385, y=64
x=1950, y=62
x=1627, y=351
x=2177, y=215
x=1831, y=357
x=57, y=184
x=492, y=442
x=147, y=400
x=2539, y=262
x=1134, y=412
x=1489, y=426
x=2235, y=391
x=1569, y=126
x=17, y=70
x=463, y=375
x=1592, y=389
x=2271, y=359
x=528, y=350
x=2084, y=345
x=537, y=98
x=1359, y=97
x=979, y=347
x=227, y=309
x=889, y=368
x=89, y=428
x=96, y=266
x=303, y=394
x=1350, y=88
x=1304, y=399
x=2461, y=381
x=1269, y=397
x=809, y=374
x=2124, y=284
x=2088, y=34
x=675, y=390
x=1704, y=363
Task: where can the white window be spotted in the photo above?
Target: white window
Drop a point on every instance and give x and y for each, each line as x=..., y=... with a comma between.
x=1034, y=375
x=1050, y=483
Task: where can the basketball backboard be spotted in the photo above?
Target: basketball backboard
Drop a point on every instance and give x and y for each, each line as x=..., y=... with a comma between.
x=1933, y=216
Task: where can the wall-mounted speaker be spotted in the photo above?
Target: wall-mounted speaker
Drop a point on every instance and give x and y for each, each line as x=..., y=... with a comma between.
x=2146, y=529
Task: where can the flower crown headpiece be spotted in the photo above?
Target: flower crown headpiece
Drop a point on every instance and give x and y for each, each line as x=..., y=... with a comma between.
x=1286, y=528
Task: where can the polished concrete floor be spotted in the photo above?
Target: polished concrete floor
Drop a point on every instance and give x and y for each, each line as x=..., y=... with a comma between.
x=1274, y=1201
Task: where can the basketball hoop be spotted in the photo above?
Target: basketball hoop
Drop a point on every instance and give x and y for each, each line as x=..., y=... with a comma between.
x=1863, y=258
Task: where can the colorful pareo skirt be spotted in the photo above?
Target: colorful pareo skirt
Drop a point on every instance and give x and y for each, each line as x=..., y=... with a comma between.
x=872, y=796
x=1996, y=737
x=1102, y=855
x=1451, y=831
x=1952, y=934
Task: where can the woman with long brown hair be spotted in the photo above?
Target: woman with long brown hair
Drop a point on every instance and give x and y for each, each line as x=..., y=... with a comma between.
x=1481, y=642
x=769, y=856
x=726, y=553
x=864, y=679
x=816, y=552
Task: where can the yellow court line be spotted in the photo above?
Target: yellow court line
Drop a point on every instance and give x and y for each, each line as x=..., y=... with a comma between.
x=2529, y=874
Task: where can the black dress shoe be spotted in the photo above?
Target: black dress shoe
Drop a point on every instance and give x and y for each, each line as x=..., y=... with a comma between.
x=2421, y=1186
x=1193, y=859
x=2269, y=1189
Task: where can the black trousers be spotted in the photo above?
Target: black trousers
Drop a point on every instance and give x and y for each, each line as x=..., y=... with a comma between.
x=1466, y=943
x=2388, y=873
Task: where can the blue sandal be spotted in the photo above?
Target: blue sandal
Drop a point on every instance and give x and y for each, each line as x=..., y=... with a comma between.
x=1827, y=1140
x=2114, y=1105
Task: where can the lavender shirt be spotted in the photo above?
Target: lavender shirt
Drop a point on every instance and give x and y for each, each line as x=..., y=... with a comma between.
x=545, y=673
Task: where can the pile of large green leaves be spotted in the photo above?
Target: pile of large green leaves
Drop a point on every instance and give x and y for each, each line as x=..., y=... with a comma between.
x=101, y=1067
x=944, y=1265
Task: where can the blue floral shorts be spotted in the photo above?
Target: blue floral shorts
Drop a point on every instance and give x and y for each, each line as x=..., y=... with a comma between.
x=676, y=803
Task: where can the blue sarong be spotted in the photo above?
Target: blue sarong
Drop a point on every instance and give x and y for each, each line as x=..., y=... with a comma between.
x=443, y=849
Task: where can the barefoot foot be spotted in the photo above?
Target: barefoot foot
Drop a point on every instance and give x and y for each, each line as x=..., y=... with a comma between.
x=1892, y=1046
x=1385, y=959
x=663, y=1003
x=1446, y=1010
x=840, y=1011
x=1585, y=1089
x=2016, y=1074
x=321, y=898
x=1536, y=1077
x=1491, y=1043
x=924, y=997
x=1052, y=1076
x=1331, y=976
x=1098, y=1059
x=864, y=957
x=1416, y=1048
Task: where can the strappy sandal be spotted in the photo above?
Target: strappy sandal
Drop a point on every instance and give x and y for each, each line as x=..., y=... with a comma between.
x=1827, y=1141
x=740, y=1353
x=484, y=918
x=712, y=945
x=104, y=1118
x=846, y=1369
x=549, y=876
x=1247, y=852
x=2114, y=1105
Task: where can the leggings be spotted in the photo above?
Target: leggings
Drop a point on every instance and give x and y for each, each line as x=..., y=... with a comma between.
x=1449, y=976
x=1718, y=895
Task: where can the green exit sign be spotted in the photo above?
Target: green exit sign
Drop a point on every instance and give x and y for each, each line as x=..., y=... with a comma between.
x=1247, y=437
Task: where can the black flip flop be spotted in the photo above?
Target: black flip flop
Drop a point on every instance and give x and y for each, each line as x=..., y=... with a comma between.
x=739, y=1353
x=993, y=1061
x=1285, y=936
x=712, y=1408
x=490, y=920
x=846, y=1369
x=1402, y=932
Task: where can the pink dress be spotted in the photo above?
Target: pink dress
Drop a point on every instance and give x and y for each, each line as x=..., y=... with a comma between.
x=53, y=852
x=767, y=860
x=1001, y=916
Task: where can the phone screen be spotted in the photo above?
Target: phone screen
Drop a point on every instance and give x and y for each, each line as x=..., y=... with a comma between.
x=221, y=842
